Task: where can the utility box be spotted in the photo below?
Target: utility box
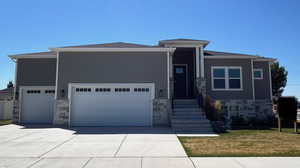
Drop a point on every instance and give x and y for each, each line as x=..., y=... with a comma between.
x=287, y=108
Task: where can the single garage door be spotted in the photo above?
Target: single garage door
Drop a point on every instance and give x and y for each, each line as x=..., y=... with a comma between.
x=111, y=104
x=37, y=104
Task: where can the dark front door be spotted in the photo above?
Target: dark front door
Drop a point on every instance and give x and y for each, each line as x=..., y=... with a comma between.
x=180, y=81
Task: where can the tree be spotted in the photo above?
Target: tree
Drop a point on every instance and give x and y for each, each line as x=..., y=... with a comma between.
x=10, y=84
x=279, y=79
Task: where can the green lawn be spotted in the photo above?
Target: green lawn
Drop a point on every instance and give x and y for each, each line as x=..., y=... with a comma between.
x=245, y=143
x=5, y=122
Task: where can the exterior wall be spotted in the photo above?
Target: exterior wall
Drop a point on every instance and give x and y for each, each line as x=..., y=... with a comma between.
x=113, y=67
x=246, y=93
x=36, y=72
x=6, y=110
x=262, y=86
x=33, y=72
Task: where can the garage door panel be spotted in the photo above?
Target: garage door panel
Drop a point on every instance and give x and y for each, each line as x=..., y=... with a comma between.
x=37, y=105
x=114, y=107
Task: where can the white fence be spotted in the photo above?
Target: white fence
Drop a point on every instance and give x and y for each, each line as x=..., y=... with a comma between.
x=6, y=109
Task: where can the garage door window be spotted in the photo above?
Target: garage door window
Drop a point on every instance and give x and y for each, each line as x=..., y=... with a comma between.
x=83, y=89
x=33, y=91
x=122, y=89
x=141, y=89
x=49, y=91
x=102, y=89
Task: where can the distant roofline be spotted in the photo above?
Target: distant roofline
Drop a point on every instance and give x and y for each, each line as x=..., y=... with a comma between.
x=109, y=49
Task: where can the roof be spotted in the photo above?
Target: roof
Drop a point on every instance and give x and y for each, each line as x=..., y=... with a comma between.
x=184, y=41
x=220, y=53
x=213, y=54
x=48, y=54
x=7, y=90
x=112, y=45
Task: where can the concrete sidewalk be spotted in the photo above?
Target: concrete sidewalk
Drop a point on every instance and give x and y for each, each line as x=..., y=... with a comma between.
x=152, y=162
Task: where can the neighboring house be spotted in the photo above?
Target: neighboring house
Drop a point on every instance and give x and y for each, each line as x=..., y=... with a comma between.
x=124, y=84
x=7, y=94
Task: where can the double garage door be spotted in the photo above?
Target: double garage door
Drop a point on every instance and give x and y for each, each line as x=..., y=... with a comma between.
x=92, y=105
x=111, y=104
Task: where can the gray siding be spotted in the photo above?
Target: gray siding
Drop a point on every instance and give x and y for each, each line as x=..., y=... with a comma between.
x=246, y=93
x=112, y=67
x=262, y=86
x=36, y=72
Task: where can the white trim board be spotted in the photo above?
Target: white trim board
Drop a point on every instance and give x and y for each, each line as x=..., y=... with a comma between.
x=252, y=80
x=270, y=79
x=261, y=71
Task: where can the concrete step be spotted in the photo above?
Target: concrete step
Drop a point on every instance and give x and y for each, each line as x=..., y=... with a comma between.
x=188, y=117
x=194, y=120
x=189, y=114
x=185, y=106
x=191, y=126
x=185, y=101
x=191, y=109
x=194, y=131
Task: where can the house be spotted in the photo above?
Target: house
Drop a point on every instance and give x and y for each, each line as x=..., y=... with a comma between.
x=125, y=84
x=7, y=94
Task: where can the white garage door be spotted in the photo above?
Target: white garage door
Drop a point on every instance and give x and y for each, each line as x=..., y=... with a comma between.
x=111, y=104
x=37, y=104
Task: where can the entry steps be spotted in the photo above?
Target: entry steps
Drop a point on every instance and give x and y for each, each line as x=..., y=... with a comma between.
x=188, y=117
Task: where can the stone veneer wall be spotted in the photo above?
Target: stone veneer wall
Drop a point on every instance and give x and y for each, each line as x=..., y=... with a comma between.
x=201, y=85
x=61, y=112
x=16, y=112
x=247, y=109
x=161, y=112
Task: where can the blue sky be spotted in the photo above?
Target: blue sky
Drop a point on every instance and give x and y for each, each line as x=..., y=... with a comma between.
x=269, y=28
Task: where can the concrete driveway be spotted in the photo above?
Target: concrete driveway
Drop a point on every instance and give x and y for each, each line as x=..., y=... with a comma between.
x=24, y=147
x=37, y=146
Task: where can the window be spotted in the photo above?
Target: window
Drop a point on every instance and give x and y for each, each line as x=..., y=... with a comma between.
x=258, y=73
x=226, y=78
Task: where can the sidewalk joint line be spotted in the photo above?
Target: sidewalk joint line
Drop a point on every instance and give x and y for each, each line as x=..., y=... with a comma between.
x=87, y=162
x=58, y=145
x=123, y=140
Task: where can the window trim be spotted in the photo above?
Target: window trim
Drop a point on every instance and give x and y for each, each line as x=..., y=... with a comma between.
x=261, y=71
x=227, y=78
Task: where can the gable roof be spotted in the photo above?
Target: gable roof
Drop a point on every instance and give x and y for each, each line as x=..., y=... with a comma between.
x=112, y=45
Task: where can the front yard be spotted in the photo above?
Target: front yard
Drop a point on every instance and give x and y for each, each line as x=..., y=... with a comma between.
x=5, y=122
x=245, y=143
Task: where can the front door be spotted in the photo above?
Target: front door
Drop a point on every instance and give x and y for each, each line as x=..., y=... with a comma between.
x=180, y=81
